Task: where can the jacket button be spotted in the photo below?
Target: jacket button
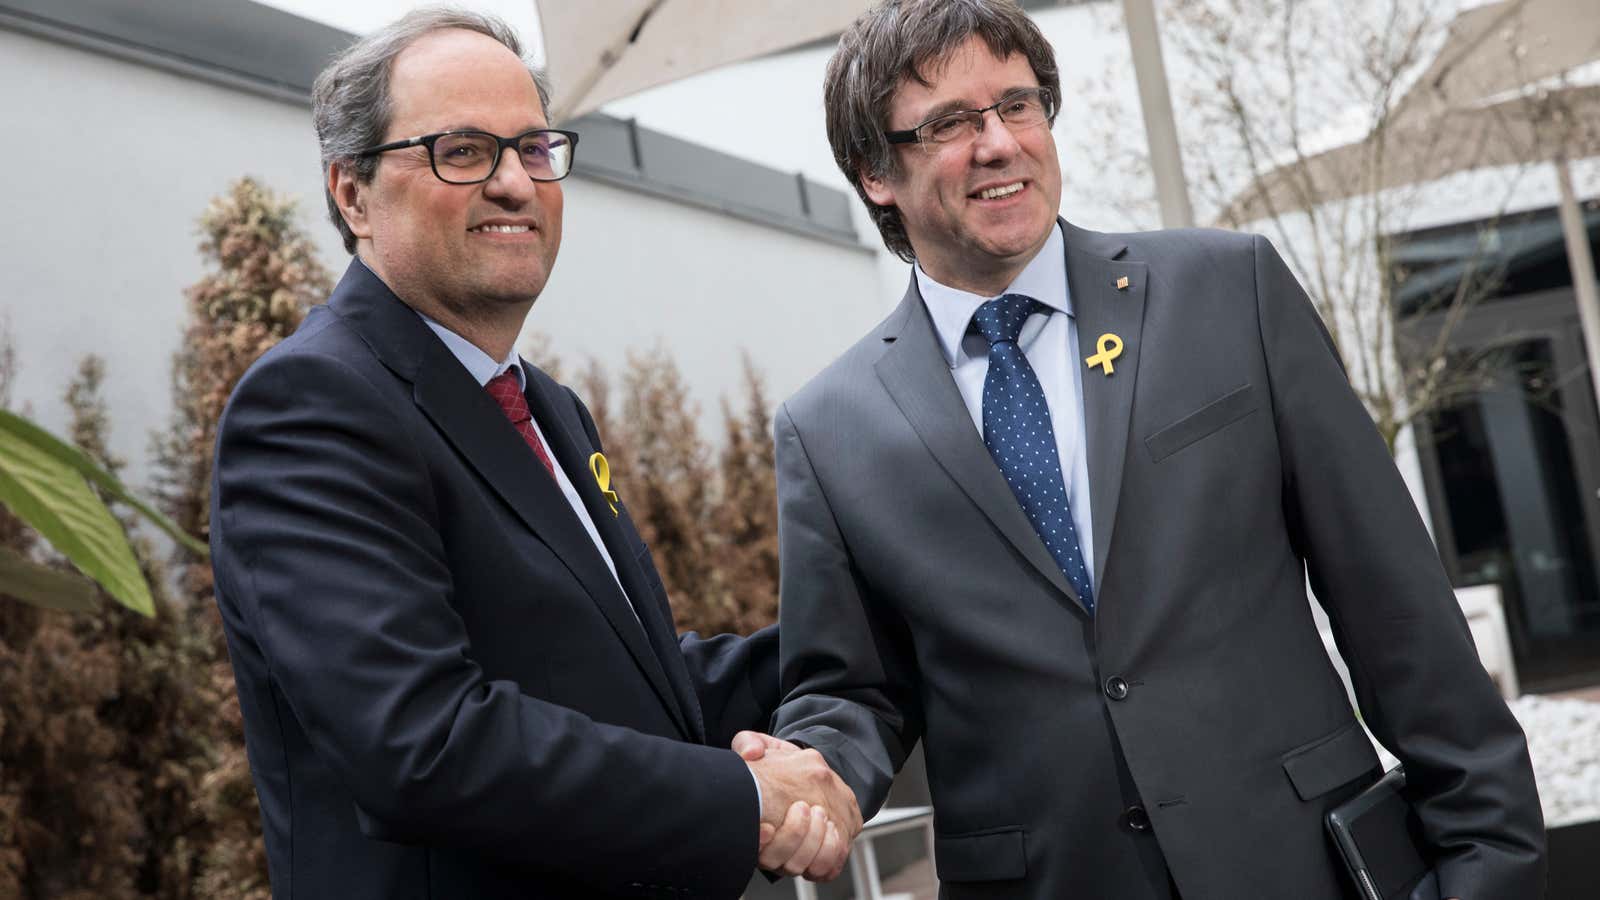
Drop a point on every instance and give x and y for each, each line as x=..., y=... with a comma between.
x=1117, y=687
x=1136, y=819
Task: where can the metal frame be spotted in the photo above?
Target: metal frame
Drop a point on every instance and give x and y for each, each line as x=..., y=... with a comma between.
x=864, y=877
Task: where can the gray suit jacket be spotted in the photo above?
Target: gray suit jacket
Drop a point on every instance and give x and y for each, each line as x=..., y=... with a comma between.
x=1195, y=725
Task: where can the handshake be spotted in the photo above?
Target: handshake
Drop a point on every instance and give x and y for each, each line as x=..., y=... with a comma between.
x=808, y=816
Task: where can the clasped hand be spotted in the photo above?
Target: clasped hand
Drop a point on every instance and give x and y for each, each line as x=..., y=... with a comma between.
x=808, y=816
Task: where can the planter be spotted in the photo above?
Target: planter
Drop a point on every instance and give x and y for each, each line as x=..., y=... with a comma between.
x=1574, y=862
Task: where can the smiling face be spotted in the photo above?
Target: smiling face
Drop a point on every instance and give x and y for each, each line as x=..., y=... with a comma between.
x=977, y=211
x=470, y=252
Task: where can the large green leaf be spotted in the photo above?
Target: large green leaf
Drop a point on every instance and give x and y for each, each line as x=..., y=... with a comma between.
x=83, y=464
x=26, y=580
x=52, y=497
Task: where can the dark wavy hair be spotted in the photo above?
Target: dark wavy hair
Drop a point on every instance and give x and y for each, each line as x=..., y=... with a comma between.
x=906, y=40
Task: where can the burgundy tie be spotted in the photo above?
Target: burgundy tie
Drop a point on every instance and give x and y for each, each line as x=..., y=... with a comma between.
x=503, y=388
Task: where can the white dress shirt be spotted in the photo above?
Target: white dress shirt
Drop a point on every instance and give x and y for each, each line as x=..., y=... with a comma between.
x=1050, y=342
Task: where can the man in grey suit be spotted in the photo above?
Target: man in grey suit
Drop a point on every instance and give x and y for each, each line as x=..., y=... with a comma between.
x=1055, y=517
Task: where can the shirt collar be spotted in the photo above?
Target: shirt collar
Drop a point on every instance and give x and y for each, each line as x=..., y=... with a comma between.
x=479, y=364
x=1044, y=279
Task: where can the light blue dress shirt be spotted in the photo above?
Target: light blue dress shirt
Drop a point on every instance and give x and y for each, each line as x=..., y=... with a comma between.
x=1050, y=342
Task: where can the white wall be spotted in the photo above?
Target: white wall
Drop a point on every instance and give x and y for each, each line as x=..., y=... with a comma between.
x=635, y=269
x=100, y=235
x=100, y=243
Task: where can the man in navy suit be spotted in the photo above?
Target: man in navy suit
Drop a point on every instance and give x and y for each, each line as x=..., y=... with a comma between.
x=454, y=656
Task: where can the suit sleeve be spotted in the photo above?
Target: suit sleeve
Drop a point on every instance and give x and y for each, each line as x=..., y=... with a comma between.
x=735, y=678
x=1373, y=567
x=329, y=555
x=847, y=670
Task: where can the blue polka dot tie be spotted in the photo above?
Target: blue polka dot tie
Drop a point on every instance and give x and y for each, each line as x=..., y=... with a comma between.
x=1016, y=428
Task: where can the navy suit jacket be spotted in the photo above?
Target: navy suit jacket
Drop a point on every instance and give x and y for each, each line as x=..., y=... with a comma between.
x=444, y=692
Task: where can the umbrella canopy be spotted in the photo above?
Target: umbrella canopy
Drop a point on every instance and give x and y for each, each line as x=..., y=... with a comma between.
x=1515, y=82
x=1505, y=46
x=601, y=51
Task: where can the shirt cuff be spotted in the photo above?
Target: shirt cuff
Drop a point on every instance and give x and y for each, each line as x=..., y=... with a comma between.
x=761, y=805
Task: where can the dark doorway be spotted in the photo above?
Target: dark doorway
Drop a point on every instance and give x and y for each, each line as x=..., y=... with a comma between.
x=1513, y=469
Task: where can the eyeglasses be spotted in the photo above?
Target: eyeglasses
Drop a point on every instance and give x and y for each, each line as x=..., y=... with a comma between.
x=470, y=157
x=1018, y=110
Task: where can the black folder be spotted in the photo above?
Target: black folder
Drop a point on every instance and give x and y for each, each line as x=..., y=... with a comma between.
x=1380, y=839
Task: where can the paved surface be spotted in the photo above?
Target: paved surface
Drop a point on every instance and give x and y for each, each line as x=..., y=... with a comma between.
x=914, y=882
x=1564, y=741
x=1590, y=694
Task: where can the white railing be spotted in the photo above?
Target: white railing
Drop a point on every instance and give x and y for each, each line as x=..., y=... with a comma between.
x=864, y=858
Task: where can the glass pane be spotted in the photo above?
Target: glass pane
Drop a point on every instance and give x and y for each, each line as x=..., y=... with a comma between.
x=1515, y=507
x=1500, y=259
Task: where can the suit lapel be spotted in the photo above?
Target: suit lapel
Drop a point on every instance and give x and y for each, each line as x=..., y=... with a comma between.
x=914, y=372
x=662, y=661
x=475, y=426
x=1093, y=272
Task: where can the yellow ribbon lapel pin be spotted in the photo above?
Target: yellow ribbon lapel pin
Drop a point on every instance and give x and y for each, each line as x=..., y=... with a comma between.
x=1110, y=347
x=602, y=477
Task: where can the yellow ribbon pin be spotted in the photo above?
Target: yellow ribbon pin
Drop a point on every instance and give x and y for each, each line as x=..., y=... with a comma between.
x=602, y=477
x=1110, y=347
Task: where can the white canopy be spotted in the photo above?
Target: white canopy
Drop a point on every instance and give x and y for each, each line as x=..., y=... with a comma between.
x=601, y=51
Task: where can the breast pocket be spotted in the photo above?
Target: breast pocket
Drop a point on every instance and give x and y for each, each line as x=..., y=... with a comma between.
x=995, y=854
x=1329, y=762
x=1202, y=423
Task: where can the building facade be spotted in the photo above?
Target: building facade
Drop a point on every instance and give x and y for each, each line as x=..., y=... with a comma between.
x=137, y=115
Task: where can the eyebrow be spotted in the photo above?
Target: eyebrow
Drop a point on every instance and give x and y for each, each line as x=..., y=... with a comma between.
x=963, y=104
x=472, y=127
x=945, y=108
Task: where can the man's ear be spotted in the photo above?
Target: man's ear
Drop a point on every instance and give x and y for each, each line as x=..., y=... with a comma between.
x=877, y=189
x=350, y=195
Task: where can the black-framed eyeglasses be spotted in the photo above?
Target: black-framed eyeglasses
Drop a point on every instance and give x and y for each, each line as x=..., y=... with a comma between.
x=470, y=157
x=1020, y=109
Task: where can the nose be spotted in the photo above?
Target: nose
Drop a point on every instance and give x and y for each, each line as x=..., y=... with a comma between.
x=994, y=142
x=510, y=185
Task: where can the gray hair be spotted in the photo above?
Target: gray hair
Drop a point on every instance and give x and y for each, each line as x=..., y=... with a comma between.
x=350, y=101
x=898, y=41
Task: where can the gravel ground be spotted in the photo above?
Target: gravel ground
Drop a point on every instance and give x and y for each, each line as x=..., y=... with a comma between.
x=1564, y=740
